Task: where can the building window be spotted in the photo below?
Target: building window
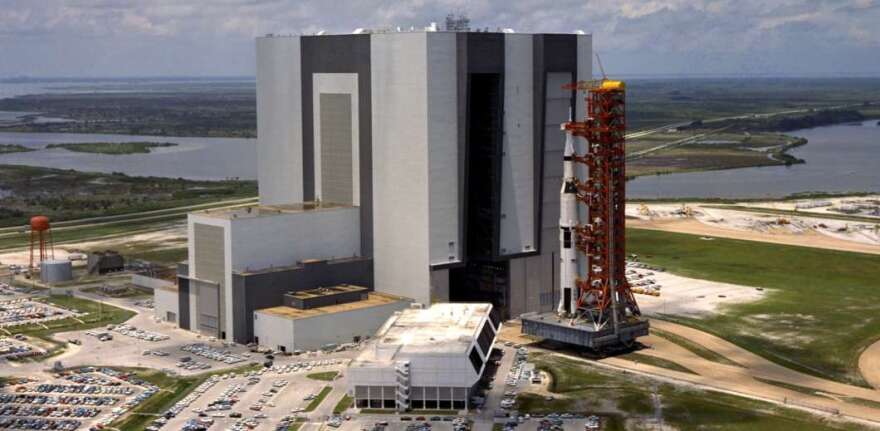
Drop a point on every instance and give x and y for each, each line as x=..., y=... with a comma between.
x=485, y=339
x=476, y=361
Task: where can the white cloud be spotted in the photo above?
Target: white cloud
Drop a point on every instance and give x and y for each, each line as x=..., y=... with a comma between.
x=703, y=33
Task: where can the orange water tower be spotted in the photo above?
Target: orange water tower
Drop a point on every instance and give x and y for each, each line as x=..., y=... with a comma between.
x=41, y=237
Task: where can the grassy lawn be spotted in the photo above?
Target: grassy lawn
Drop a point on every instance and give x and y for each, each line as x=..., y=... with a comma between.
x=694, y=348
x=820, y=309
x=343, y=404
x=317, y=401
x=296, y=425
x=324, y=375
x=112, y=148
x=579, y=387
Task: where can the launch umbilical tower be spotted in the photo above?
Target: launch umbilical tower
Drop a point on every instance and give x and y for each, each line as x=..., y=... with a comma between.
x=596, y=305
x=603, y=293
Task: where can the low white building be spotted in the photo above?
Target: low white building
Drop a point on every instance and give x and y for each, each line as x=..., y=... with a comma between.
x=428, y=358
x=286, y=328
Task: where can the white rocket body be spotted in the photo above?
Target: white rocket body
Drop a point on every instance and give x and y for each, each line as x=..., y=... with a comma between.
x=568, y=220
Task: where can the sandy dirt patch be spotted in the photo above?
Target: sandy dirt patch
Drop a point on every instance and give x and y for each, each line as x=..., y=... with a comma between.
x=692, y=297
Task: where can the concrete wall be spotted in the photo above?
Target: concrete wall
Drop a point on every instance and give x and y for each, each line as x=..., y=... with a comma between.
x=279, y=120
x=313, y=332
x=166, y=300
x=400, y=164
x=287, y=238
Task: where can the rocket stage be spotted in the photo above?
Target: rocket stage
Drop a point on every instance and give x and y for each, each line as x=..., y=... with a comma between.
x=553, y=327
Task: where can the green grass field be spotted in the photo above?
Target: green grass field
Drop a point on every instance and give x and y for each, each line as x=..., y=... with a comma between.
x=112, y=148
x=317, y=401
x=820, y=309
x=324, y=375
x=343, y=404
x=579, y=387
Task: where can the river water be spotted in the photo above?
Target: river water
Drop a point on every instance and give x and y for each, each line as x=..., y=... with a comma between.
x=192, y=158
x=839, y=158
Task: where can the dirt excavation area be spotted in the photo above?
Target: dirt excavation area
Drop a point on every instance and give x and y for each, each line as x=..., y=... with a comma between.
x=750, y=224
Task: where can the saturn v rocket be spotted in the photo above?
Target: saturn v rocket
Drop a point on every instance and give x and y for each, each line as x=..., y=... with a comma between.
x=568, y=221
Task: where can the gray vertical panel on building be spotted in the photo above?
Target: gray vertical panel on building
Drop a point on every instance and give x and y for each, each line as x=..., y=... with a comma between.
x=517, y=172
x=336, y=144
x=341, y=54
x=442, y=136
x=210, y=265
x=207, y=307
x=279, y=120
x=183, y=302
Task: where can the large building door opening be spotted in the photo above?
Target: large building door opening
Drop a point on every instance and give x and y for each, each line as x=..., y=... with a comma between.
x=483, y=278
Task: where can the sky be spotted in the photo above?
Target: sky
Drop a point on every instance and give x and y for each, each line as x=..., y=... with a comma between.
x=110, y=38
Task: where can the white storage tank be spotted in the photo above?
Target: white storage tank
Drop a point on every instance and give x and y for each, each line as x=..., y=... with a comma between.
x=56, y=271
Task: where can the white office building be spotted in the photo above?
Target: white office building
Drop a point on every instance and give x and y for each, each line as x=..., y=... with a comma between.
x=425, y=358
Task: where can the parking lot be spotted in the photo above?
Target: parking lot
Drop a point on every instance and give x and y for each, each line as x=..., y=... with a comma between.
x=24, y=310
x=259, y=400
x=14, y=348
x=71, y=400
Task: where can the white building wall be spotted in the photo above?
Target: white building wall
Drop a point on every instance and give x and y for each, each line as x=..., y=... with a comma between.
x=518, y=161
x=343, y=327
x=442, y=142
x=272, y=330
x=279, y=120
x=286, y=238
x=164, y=301
x=400, y=164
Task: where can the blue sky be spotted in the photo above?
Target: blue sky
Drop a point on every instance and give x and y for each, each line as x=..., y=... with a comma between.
x=215, y=37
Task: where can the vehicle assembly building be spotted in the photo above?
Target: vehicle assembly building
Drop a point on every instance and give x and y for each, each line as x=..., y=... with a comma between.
x=420, y=164
x=596, y=306
x=425, y=358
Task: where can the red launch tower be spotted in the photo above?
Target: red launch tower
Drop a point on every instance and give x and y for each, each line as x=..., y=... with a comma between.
x=605, y=312
x=603, y=291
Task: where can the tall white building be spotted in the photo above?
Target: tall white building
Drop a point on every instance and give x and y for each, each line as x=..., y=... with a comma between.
x=446, y=143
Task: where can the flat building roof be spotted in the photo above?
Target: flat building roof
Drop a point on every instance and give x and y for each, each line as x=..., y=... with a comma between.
x=326, y=291
x=257, y=210
x=374, y=299
x=440, y=328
